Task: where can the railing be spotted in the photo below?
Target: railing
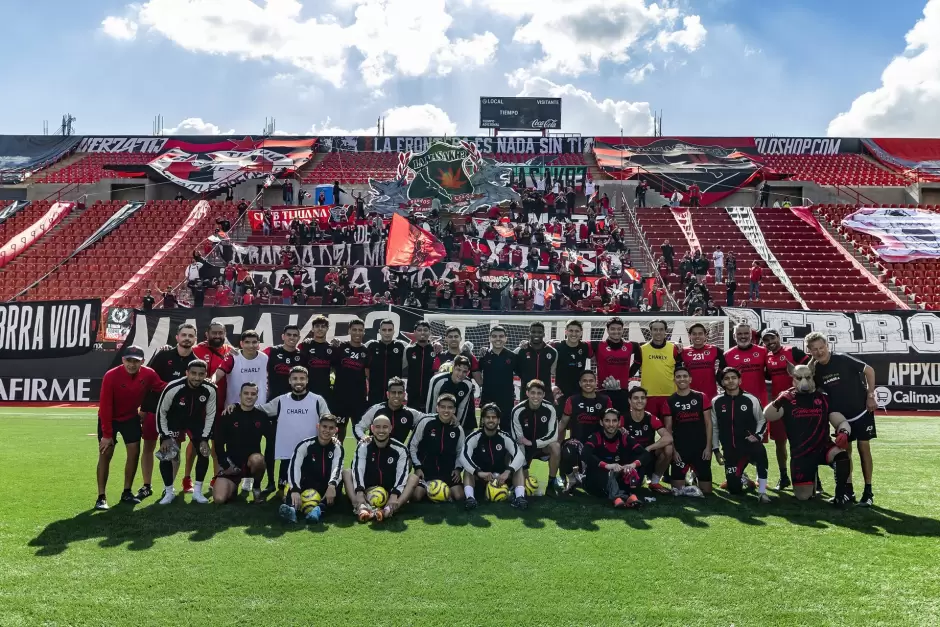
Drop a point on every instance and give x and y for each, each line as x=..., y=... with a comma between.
x=671, y=304
x=859, y=196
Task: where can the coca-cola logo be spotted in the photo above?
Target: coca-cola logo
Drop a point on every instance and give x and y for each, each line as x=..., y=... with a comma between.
x=549, y=123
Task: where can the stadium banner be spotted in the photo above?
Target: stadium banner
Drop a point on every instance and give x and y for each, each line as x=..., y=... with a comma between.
x=534, y=146
x=63, y=380
x=281, y=218
x=44, y=329
x=21, y=155
x=905, y=234
x=520, y=114
x=807, y=145
x=922, y=156
x=718, y=165
x=903, y=347
x=566, y=175
x=118, y=218
x=313, y=255
x=31, y=234
x=12, y=209
x=586, y=286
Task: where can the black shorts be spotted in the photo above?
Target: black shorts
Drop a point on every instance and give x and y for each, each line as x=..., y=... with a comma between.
x=691, y=456
x=863, y=428
x=193, y=430
x=803, y=469
x=130, y=431
x=534, y=453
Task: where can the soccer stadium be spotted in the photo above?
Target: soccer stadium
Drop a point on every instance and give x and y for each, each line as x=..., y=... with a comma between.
x=544, y=365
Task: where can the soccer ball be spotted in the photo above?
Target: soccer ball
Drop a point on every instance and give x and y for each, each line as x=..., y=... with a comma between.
x=531, y=486
x=496, y=493
x=308, y=500
x=446, y=367
x=377, y=496
x=438, y=491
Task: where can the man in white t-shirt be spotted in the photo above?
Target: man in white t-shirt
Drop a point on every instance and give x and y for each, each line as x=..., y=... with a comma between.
x=718, y=260
x=588, y=189
x=192, y=272
x=540, y=184
x=538, y=298
x=249, y=365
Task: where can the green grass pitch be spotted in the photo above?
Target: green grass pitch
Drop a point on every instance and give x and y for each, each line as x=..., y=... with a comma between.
x=562, y=562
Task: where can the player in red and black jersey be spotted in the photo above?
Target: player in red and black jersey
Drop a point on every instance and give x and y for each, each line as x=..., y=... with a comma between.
x=617, y=360
x=751, y=361
x=281, y=359
x=319, y=358
x=573, y=355
x=582, y=412
x=453, y=348
x=643, y=427
x=613, y=462
x=703, y=360
x=689, y=418
x=778, y=359
x=214, y=351
x=351, y=362
x=807, y=415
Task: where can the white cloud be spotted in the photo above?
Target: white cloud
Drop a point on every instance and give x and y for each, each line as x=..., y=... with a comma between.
x=119, y=28
x=576, y=36
x=639, y=74
x=425, y=119
x=196, y=126
x=582, y=111
x=395, y=37
x=907, y=104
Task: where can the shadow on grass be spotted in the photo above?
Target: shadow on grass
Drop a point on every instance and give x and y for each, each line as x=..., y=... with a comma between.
x=139, y=530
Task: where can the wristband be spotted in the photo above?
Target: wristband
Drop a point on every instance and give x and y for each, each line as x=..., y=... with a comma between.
x=843, y=431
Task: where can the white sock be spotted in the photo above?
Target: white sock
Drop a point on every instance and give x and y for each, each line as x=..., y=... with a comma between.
x=197, y=487
x=520, y=491
x=468, y=490
x=761, y=485
x=656, y=478
x=169, y=489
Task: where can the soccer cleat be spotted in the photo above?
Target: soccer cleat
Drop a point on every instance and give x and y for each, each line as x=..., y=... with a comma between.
x=365, y=514
x=247, y=484
x=763, y=498
x=382, y=513
x=187, y=485
x=552, y=489
x=258, y=496
x=724, y=485
x=287, y=513
x=783, y=484
x=270, y=487
x=470, y=503
x=868, y=499
x=633, y=502
x=619, y=503
x=573, y=481
x=314, y=515
x=168, y=497
x=659, y=488
x=840, y=500
x=199, y=497
x=102, y=505
x=747, y=483
x=128, y=497
x=144, y=492
x=520, y=502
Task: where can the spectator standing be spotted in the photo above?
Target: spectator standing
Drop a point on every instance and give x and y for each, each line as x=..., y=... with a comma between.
x=640, y=194
x=301, y=195
x=538, y=297
x=695, y=195
x=676, y=199
x=169, y=299
x=179, y=196
x=756, y=275
x=534, y=257
x=321, y=199
x=248, y=298
x=199, y=294
x=337, y=190
x=148, y=301
x=764, y=195
x=786, y=202
x=570, y=198
x=718, y=260
x=242, y=207
x=731, y=286
x=700, y=264
x=360, y=207
x=192, y=272
x=731, y=265
x=229, y=194
x=668, y=255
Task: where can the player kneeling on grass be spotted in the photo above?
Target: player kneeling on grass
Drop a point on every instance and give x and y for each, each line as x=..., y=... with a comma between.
x=613, y=462
x=738, y=425
x=806, y=415
x=186, y=406
x=582, y=413
x=314, y=473
x=643, y=427
x=689, y=414
x=435, y=448
x=379, y=462
x=491, y=460
x=238, y=446
x=535, y=427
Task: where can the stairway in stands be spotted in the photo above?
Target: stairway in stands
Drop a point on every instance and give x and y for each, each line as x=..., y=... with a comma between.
x=713, y=227
x=822, y=275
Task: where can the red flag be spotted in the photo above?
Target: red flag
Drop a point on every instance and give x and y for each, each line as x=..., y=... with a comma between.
x=410, y=246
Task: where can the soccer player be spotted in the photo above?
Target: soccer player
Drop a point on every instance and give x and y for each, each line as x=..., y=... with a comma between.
x=750, y=360
x=658, y=360
x=617, y=360
x=317, y=464
x=319, y=358
x=456, y=384
x=169, y=364
x=613, y=461
x=490, y=455
x=420, y=358
x=351, y=363
x=454, y=348
x=808, y=417
x=187, y=406
x=738, y=426
x=537, y=360
x=122, y=391
x=379, y=462
x=573, y=355
x=688, y=417
x=238, y=445
x=586, y=409
x=850, y=384
x=497, y=366
x=281, y=360
x=779, y=358
x=435, y=449
x=404, y=419
x=704, y=361
x=643, y=427
x=535, y=427
x=386, y=360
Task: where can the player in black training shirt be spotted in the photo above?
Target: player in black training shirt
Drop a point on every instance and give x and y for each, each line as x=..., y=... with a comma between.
x=386, y=360
x=808, y=416
x=573, y=355
x=497, y=365
x=317, y=464
x=613, y=461
x=535, y=427
x=319, y=358
x=170, y=364
x=420, y=358
x=281, y=359
x=537, y=360
x=238, y=446
x=351, y=362
x=850, y=385
x=403, y=418
x=582, y=413
x=688, y=414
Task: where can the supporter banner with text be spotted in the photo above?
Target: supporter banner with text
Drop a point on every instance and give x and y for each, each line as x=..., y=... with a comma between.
x=41, y=329
x=313, y=255
x=903, y=347
x=905, y=234
x=566, y=175
x=282, y=218
x=62, y=380
x=486, y=145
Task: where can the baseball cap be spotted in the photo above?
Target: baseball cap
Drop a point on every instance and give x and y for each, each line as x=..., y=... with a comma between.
x=134, y=352
x=767, y=332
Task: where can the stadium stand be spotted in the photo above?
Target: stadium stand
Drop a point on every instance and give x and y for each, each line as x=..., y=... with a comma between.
x=353, y=168
x=90, y=168
x=847, y=169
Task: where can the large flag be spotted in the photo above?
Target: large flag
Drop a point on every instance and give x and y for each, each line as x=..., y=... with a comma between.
x=410, y=246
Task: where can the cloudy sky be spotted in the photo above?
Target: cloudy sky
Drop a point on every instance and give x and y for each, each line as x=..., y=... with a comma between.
x=712, y=67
